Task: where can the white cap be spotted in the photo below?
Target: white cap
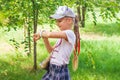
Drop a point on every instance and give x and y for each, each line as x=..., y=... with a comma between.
x=63, y=11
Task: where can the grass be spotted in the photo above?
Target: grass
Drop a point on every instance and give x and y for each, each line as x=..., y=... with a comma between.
x=98, y=60
x=107, y=29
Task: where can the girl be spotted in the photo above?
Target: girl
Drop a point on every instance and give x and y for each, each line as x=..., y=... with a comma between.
x=60, y=53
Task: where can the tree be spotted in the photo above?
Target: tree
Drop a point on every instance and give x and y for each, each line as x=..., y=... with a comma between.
x=108, y=9
x=35, y=20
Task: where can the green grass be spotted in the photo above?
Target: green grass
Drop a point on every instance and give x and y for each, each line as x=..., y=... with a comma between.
x=98, y=60
x=16, y=68
x=107, y=29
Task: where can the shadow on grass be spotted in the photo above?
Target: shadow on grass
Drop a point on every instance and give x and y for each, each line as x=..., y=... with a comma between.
x=10, y=71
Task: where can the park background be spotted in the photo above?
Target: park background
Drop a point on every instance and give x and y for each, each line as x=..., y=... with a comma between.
x=99, y=26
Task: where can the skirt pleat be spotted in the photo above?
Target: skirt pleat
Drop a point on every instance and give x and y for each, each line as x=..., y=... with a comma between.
x=57, y=73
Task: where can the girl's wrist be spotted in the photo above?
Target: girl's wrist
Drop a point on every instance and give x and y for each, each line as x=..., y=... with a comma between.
x=44, y=38
x=41, y=32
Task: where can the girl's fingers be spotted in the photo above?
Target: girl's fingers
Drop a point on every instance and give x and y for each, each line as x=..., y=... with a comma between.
x=36, y=37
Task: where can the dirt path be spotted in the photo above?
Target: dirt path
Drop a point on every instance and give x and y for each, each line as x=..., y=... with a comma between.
x=91, y=36
x=5, y=47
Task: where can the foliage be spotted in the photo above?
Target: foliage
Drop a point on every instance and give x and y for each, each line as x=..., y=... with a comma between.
x=15, y=43
x=13, y=11
x=108, y=9
x=16, y=11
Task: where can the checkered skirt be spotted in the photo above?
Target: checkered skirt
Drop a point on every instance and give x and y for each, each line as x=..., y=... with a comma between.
x=57, y=73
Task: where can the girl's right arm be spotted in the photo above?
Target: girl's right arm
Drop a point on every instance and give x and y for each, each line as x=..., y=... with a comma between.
x=47, y=45
x=46, y=41
x=45, y=35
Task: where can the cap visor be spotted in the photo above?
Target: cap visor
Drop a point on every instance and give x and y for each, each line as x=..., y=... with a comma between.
x=55, y=16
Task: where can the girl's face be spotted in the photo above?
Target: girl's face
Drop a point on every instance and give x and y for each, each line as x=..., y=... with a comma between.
x=64, y=23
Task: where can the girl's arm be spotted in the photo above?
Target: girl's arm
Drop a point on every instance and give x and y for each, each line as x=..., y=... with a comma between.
x=60, y=34
x=45, y=35
x=47, y=45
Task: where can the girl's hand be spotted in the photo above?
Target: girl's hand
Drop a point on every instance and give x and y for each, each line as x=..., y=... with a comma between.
x=36, y=37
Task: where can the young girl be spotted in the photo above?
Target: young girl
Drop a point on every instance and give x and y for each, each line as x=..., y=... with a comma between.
x=60, y=53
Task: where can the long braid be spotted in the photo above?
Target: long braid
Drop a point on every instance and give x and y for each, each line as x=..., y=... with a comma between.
x=77, y=44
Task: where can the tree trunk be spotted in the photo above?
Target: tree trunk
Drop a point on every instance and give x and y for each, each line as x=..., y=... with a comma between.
x=79, y=13
x=83, y=16
x=29, y=41
x=35, y=17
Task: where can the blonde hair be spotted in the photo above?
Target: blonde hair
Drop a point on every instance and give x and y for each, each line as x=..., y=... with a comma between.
x=77, y=45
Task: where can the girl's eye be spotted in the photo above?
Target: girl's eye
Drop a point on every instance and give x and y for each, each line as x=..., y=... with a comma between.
x=60, y=21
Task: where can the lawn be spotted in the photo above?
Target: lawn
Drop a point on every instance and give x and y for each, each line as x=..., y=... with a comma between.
x=99, y=58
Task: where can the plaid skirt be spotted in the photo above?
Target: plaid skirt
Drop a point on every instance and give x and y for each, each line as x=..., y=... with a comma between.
x=57, y=73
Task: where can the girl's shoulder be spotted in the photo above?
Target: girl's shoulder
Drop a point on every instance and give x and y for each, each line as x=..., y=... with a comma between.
x=70, y=36
x=69, y=31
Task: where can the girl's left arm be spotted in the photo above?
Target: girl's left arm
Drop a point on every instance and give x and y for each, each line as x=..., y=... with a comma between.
x=59, y=34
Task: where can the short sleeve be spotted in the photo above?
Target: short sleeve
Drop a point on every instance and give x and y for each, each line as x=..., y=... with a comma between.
x=71, y=36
